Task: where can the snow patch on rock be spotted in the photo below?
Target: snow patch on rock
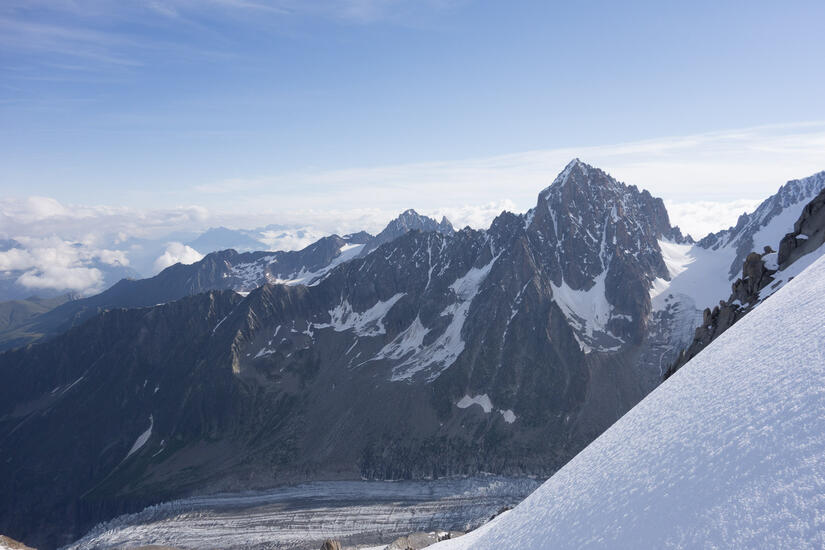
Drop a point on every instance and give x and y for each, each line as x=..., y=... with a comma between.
x=142, y=438
x=588, y=313
x=486, y=405
x=364, y=323
x=445, y=349
x=481, y=400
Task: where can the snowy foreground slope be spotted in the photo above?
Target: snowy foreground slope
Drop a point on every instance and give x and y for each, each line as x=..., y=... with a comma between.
x=728, y=453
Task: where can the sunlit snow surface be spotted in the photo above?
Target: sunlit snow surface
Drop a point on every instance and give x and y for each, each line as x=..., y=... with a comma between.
x=728, y=453
x=697, y=275
x=366, y=323
x=357, y=512
x=588, y=312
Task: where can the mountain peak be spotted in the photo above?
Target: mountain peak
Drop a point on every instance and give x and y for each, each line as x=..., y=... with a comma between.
x=410, y=219
x=577, y=162
x=579, y=172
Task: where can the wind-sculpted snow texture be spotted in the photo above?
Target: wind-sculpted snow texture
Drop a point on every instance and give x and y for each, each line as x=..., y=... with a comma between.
x=728, y=453
x=356, y=512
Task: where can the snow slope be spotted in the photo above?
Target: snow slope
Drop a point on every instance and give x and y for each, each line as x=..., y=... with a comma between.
x=728, y=453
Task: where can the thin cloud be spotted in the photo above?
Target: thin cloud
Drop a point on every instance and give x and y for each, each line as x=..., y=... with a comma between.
x=66, y=40
x=703, y=217
x=719, y=166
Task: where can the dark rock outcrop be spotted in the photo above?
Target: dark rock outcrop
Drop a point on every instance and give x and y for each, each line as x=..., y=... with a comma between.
x=808, y=233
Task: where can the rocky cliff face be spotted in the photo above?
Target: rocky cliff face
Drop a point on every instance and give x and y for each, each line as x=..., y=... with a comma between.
x=808, y=234
x=72, y=410
x=762, y=275
x=597, y=241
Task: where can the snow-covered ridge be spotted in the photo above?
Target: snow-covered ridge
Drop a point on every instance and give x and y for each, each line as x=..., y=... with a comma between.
x=253, y=274
x=766, y=225
x=728, y=453
x=311, y=278
x=701, y=274
x=784, y=276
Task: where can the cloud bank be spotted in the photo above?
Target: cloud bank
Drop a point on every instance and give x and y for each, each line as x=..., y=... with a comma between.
x=55, y=264
x=177, y=253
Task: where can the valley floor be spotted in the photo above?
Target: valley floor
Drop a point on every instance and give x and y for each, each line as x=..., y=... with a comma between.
x=301, y=517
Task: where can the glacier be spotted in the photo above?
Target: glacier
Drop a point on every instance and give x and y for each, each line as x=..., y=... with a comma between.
x=302, y=516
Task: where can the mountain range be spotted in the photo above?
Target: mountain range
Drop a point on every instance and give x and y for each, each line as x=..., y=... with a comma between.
x=421, y=352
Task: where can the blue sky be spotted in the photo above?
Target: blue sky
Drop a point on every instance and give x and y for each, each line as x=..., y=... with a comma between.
x=297, y=106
